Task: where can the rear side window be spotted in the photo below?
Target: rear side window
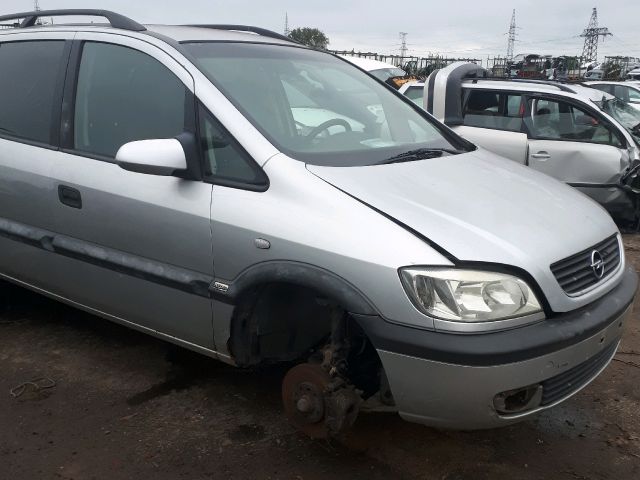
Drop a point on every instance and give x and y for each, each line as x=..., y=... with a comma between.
x=27, y=88
x=496, y=110
x=125, y=95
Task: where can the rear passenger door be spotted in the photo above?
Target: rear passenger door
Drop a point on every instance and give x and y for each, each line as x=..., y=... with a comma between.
x=573, y=144
x=138, y=246
x=32, y=69
x=493, y=120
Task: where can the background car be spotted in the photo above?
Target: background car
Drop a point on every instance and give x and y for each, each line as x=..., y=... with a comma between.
x=381, y=70
x=626, y=91
x=584, y=137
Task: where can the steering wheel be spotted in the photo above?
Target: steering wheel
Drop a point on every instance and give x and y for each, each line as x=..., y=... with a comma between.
x=324, y=125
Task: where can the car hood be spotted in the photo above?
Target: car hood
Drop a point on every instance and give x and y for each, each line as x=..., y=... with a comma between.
x=479, y=207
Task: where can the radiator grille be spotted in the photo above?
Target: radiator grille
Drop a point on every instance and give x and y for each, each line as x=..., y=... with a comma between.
x=576, y=273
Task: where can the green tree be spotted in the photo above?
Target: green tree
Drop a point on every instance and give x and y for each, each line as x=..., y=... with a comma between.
x=311, y=37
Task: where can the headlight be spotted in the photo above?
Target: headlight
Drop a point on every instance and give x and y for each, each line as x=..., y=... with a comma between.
x=469, y=296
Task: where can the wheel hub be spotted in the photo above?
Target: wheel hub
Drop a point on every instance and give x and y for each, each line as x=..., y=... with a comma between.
x=303, y=395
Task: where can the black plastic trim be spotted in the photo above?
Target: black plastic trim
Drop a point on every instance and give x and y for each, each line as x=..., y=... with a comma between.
x=595, y=185
x=56, y=114
x=297, y=273
x=246, y=28
x=498, y=348
x=189, y=281
x=115, y=19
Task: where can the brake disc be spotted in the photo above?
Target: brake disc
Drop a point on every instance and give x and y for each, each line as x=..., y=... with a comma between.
x=303, y=394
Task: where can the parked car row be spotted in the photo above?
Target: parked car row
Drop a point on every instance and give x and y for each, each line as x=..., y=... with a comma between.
x=233, y=192
x=580, y=134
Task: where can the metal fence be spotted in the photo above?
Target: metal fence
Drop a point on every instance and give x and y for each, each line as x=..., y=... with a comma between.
x=565, y=67
x=411, y=64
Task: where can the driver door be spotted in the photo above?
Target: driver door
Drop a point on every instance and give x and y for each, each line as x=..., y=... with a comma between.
x=574, y=145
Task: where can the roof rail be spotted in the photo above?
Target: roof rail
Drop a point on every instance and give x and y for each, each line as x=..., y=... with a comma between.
x=115, y=19
x=245, y=28
x=559, y=86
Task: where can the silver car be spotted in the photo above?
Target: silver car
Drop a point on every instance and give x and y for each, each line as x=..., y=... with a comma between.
x=579, y=135
x=235, y=193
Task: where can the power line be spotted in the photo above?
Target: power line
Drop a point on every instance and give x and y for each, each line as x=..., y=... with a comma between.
x=591, y=36
x=403, y=46
x=512, y=36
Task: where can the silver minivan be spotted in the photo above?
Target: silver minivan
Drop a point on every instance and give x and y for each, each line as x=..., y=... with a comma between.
x=235, y=193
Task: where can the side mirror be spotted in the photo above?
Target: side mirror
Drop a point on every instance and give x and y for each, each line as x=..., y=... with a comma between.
x=164, y=157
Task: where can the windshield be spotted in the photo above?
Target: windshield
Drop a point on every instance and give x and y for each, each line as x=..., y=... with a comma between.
x=385, y=74
x=316, y=107
x=625, y=114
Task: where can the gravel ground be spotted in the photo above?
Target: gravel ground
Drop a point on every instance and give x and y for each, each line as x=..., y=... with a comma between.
x=128, y=406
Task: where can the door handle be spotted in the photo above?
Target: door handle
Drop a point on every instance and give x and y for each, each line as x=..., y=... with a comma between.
x=70, y=196
x=541, y=155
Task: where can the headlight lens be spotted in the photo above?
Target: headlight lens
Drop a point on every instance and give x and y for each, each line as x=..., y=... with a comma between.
x=469, y=295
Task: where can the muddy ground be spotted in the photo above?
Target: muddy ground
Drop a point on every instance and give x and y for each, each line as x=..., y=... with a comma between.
x=128, y=406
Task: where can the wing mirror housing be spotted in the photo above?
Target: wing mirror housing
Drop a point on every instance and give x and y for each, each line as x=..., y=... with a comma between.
x=164, y=157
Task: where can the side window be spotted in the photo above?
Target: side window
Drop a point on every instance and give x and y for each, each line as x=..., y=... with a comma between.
x=621, y=92
x=27, y=87
x=603, y=87
x=634, y=95
x=224, y=157
x=124, y=95
x=557, y=120
x=415, y=94
x=496, y=110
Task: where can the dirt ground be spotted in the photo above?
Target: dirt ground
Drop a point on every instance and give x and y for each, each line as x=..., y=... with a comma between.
x=128, y=406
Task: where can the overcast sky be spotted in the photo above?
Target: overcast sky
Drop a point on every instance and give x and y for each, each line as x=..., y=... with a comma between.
x=456, y=28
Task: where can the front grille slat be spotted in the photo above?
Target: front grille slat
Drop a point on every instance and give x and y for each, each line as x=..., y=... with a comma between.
x=566, y=383
x=575, y=274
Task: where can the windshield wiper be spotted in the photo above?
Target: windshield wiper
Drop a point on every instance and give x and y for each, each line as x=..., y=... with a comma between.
x=419, y=154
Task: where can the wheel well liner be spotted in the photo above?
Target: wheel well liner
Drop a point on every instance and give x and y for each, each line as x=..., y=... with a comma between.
x=323, y=281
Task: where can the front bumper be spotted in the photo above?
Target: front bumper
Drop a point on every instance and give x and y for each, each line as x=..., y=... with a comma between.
x=451, y=381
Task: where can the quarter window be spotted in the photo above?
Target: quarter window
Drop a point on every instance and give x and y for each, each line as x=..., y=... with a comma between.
x=125, y=95
x=27, y=88
x=496, y=110
x=556, y=120
x=224, y=158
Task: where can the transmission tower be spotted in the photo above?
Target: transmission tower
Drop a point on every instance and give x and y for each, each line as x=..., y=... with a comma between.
x=591, y=36
x=403, y=44
x=512, y=37
x=286, y=25
x=36, y=6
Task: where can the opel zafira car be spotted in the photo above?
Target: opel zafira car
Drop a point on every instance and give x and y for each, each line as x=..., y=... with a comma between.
x=228, y=190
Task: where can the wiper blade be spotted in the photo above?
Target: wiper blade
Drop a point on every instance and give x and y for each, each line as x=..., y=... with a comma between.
x=419, y=154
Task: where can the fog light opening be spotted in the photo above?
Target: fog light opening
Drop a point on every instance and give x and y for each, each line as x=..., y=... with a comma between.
x=518, y=400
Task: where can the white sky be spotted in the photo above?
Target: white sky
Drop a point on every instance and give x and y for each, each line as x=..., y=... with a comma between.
x=456, y=28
